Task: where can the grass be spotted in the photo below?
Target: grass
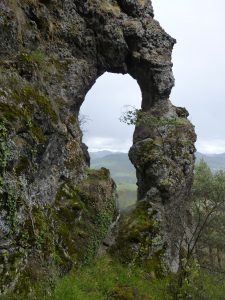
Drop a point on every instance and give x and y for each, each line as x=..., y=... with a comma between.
x=107, y=279
x=209, y=286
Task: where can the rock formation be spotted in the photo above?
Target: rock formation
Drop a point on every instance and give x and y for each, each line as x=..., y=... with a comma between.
x=51, y=53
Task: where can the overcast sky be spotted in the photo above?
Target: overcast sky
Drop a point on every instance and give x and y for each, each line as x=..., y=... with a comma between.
x=199, y=70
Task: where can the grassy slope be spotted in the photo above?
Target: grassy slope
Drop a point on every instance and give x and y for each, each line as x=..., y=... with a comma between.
x=104, y=277
x=107, y=279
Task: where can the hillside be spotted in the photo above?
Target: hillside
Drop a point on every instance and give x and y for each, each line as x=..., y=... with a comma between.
x=119, y=164
x=122, y=172
x=215, y=161
x=124, y=175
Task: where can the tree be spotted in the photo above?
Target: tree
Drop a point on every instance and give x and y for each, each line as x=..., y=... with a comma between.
x=205, y=241
x=209, y=214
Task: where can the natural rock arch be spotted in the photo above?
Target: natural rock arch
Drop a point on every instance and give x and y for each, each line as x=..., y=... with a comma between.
x=145, y=53
x=51, y=53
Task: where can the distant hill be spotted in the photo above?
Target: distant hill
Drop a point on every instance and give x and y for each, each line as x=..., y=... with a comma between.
x=100, y=154
x=215, y=161
x=118, y=163
x=123, y=172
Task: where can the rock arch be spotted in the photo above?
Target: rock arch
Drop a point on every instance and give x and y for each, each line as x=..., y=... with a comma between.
x=163, y=156
x=54, y=53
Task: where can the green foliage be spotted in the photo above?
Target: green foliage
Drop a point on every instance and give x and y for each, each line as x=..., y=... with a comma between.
x=138, y=117
x=105, y=278
x=131, y=117
x=208, y=209
x=200, y=284
x=203, y=183
x=4, y=147
x=183, y=284
x=208, y=206
x=28, y=94
x=209, y=286
x=11, y=207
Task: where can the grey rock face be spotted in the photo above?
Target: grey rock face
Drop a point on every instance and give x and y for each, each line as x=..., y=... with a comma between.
x=164, y=158
x=51, y=54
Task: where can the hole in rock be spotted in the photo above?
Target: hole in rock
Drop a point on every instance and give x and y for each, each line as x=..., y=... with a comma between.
x=107, y=138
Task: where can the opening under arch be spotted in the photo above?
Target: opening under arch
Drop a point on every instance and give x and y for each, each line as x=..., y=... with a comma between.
x=107, y=138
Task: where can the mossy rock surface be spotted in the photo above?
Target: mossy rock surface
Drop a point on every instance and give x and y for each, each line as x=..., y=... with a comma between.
x=66, y=234
x=139, y=239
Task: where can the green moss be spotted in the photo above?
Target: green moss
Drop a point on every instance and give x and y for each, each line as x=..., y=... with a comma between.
x=35, y=57
x=38, y=134
x=12, y=113
x=24, y=102
x=66, y=234
x=74, y=163
x=81, y=209
x=101, y=174
x=71, y=203
x=9, y=112
x=28, y=94
x=139, y=240
x=69, y=196
x=167, y=183
x=150, y=150
x=11, y=262
x=43, y=238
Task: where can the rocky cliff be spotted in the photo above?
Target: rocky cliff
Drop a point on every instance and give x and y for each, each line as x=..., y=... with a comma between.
x=55, y=211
